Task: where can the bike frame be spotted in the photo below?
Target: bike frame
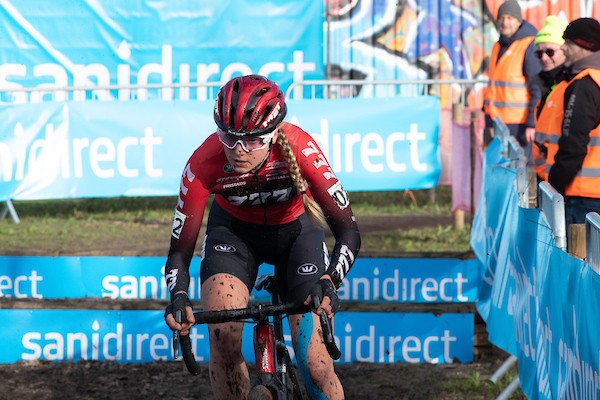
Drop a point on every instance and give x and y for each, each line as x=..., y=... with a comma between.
x=274, y=370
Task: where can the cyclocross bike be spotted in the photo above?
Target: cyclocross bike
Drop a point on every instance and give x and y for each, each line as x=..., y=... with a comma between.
x=276, y=378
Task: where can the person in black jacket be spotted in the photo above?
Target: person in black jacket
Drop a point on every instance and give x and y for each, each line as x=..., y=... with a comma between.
x=575, y=171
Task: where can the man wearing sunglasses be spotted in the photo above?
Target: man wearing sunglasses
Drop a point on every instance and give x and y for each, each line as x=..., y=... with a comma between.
x=512, y=94
x=570, y=122
x=274, y=194
x=549, y=52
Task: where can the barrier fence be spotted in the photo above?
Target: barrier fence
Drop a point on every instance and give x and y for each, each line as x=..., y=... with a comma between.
x=97, y=97
x=540, y=304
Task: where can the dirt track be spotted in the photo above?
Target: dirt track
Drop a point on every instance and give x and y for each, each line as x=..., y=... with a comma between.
x=103, y=380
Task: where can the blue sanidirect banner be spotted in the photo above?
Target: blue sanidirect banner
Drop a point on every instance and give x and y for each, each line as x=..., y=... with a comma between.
x=106, y=149
x=64, y=43
x=538, y=302
x=142, y=336
x=371, y=279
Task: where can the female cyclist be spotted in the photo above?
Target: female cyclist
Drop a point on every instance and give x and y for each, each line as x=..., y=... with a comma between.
x=274, y=193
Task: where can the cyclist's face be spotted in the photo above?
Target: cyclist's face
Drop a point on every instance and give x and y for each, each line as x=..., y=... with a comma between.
x=244, y=161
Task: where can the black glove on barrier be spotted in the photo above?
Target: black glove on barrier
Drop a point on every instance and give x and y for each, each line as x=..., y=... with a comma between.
x=323, y=288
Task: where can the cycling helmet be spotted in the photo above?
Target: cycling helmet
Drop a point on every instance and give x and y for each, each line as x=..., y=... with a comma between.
x=249, y=105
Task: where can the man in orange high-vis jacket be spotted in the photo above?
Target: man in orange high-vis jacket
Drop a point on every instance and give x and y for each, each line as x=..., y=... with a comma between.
x=549, y=41
x=512, y=94
x=570, y=123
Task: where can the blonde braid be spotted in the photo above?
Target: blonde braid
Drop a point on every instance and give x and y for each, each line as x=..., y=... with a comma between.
x=311, y=207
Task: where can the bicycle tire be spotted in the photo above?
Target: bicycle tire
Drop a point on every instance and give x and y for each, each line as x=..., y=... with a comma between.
x=292, y=380
x=260, y=392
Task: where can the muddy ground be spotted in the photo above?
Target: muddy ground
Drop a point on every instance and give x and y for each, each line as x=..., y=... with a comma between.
x=169, y=380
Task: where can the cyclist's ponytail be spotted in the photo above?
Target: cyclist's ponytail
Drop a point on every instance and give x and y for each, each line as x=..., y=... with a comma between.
x=311, y=207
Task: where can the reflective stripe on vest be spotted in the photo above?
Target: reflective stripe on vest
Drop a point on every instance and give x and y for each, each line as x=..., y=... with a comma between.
x=507, y=96
x=549, y=130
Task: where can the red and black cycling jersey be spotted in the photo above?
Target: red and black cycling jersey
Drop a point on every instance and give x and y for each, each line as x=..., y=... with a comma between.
x=265, y=197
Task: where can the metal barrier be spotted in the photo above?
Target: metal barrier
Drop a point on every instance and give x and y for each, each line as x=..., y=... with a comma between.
x=8, y=208
x=501, y=131
x=592, y=240
x=518, y=160
x=450, y=91
x=552, y=206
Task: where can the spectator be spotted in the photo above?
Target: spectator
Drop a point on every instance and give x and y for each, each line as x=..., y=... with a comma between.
x=548, y=41
x=512, y=94
x=570, y=121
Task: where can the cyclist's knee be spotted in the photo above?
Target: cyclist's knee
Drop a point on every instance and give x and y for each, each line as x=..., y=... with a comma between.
x=226, y=339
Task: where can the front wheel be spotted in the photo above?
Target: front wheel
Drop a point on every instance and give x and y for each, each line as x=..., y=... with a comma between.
x=260, y=392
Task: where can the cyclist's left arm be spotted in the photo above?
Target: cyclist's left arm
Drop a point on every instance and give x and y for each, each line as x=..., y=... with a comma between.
x=328, y=191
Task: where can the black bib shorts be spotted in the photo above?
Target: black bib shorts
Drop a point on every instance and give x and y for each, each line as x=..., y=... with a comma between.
x=297, y=250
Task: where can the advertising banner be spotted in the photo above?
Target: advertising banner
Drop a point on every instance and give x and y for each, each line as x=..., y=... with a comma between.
x=65, y=43
x=434, y=280
x=539, y=303
x=107, y=149
x=142, y=336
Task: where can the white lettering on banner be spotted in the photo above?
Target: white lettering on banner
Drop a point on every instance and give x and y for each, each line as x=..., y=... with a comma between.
x=525, y=326
x=577, y=379
x=383, y=349
x=20, y=286
x=55, y=155
x=97, y=74
x=146, y=287
x=377, y=150
x=544, y=336
x=113, y=345
x=394, y=288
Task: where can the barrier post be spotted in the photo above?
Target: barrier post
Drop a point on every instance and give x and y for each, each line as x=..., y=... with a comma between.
x=8, y=208
x=552, y=206
x=576, y=245
x=592, y=240
x=457, y=118
x=474, y=117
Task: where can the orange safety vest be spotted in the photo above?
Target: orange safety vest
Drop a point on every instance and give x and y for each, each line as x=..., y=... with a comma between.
x=507, y=96
x=549, y=130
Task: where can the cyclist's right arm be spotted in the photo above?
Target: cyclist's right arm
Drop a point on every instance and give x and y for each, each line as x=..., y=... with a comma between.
x=186, y=226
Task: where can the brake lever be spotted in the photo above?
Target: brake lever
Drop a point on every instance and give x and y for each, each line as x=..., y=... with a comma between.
x=327, y=331
x=176, y=334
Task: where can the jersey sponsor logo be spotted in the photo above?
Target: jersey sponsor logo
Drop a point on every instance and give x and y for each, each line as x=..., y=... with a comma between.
x=254, y=199
x=186, y=179
x=225, y=248
x=307, y=269
x=345, y=261
x=320, y=162
x=178, y=221
x=338, y=194
x=234, y=184
x=171, y=278
x=325, y=255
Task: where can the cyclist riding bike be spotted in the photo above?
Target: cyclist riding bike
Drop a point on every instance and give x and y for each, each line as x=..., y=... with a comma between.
x=274, y=192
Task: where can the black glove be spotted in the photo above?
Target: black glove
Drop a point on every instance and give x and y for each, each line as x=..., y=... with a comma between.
x=543, y=149
x=177, y=307
x=324, y=288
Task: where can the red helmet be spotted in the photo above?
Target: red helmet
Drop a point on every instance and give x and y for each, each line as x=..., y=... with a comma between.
x=249, y=105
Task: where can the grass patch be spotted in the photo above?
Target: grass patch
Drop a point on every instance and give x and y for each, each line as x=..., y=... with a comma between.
x=103, y=223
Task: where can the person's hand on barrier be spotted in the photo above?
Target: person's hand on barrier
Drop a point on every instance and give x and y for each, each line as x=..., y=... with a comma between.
x=324, y=290
x=179, y=315
x=529, y=134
